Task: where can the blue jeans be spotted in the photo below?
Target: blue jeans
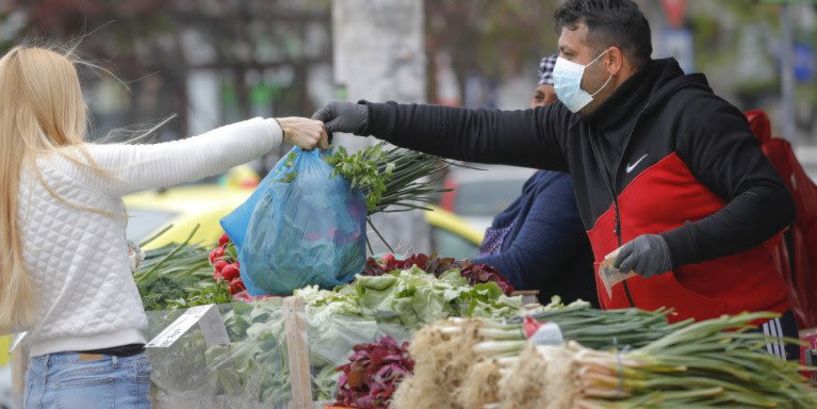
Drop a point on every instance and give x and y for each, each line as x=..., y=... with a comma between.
x=69, y=380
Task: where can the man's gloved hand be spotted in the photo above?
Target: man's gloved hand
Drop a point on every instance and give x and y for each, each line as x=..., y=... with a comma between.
x=647, y=255
x=343, y=117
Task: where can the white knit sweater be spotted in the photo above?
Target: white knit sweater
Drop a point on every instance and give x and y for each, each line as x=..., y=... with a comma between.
x=78, y=260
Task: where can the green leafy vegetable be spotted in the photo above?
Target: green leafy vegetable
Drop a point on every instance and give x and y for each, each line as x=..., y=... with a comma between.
x=289, y=177
x=172, y=275
x=411, y=298
x=216, y=293
x=389, y=177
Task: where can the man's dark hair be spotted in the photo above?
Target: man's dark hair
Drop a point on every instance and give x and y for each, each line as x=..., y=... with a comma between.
x=609, y=23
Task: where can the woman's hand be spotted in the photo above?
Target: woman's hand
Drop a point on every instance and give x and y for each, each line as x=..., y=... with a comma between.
x=304, y=132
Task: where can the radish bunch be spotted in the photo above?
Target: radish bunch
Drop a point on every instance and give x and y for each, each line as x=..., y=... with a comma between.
x=225, y=264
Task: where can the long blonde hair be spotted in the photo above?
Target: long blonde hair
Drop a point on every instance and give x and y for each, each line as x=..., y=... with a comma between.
x=41, y=111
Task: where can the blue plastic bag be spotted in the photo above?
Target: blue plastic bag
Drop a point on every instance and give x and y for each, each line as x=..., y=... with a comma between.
x=306, y=227
x=235, y=224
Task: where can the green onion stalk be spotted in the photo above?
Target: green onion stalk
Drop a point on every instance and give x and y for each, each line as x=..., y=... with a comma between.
x=717, y=363
x=459, y=379
x=390, y=179
x=178, y=275
x=597, y=329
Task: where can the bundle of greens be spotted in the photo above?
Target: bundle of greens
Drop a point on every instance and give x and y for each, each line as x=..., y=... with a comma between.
x=710, y=364
x=389, y=176
x=393, y=304
x=411, y=298
x=179, y=276
x=475, y=273
x=374, y=369
x=457, y=360
x=254, y=367
x=390, y=179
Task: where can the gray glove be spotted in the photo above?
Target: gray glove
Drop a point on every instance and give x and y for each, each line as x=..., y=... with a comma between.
x=343, y=117
x=647, y=255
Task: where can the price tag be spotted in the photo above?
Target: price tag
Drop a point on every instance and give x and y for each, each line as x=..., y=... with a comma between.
x=209, y=320
x=17, y=341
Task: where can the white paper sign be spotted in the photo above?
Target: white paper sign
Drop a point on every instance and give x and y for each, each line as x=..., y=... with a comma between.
x=208, y=318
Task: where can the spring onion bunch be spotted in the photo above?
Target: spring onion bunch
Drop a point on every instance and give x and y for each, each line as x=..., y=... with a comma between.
x=389, y=177
x=456, y=359
x=715, y=363
x=178, y=275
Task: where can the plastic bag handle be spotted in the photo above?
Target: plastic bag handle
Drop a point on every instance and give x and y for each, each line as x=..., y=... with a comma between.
x=317, y=152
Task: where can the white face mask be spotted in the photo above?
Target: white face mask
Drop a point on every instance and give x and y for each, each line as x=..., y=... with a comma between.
x=567, y=82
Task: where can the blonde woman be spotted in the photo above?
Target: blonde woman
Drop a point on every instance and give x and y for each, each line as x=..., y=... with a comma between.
x=64, y=270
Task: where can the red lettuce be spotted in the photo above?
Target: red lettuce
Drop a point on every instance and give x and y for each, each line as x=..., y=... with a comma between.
x=483, y=273
x=474, y=273
x=373, y=373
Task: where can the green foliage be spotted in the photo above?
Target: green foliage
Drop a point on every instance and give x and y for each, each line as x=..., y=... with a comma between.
x=177, y=276
x=364, y=172
x=411, y=298
x=215, y=293
x=389, y=177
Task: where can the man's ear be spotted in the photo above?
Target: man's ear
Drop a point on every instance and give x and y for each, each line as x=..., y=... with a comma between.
x=614, y=60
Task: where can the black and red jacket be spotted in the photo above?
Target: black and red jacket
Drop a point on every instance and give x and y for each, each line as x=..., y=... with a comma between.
x=663, y=155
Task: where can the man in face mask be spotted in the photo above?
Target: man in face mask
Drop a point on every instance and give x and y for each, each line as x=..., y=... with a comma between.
x=664, y=170
x=538, y=241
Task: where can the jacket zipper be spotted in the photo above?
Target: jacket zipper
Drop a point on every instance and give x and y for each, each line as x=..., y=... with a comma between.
x=611, y=190
x=612, y=186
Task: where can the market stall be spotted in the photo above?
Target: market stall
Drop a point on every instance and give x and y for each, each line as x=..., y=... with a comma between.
x=416, y=331
x=433, y=333
x=262, y=320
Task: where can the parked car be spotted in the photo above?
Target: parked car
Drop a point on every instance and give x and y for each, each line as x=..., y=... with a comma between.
x=180, y=209
x=482, y=192
x=451, y=235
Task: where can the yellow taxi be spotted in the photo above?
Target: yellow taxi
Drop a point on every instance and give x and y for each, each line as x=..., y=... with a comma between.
x=178, y=210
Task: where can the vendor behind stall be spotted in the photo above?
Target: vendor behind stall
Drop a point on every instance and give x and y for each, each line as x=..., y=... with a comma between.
x=665, y=170
x=539, y=242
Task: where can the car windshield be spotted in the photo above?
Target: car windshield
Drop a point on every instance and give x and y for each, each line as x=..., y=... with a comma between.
x=486, y=198
x=142, y=222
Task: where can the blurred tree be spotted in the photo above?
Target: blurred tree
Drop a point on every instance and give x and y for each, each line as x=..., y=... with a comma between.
x=155, y=44
x=737, y=44
x=496, y=38
x=13, y=25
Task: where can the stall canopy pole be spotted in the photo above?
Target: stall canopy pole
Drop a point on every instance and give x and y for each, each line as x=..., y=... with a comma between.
x=787, y=115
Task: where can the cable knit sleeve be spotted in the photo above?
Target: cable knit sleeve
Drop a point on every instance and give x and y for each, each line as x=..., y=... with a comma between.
x=135, y=168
